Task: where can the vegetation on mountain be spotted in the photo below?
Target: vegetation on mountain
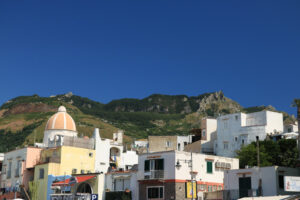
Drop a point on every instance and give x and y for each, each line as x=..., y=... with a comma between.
x=281, y=153
x=154, y=115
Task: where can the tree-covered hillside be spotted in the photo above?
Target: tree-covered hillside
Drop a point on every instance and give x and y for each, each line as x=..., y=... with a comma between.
x=158, y=114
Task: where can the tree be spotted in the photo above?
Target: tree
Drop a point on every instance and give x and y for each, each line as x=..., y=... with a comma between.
x=281, y=153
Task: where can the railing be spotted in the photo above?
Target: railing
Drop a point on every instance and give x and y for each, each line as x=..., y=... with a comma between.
x=70, y=197
x=154, y=174
x=231, y=194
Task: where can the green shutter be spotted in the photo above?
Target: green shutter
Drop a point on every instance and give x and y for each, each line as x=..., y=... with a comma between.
x=209, y=167
x=147, y=165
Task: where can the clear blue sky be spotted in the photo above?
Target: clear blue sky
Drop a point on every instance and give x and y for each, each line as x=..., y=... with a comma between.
x=106, y=50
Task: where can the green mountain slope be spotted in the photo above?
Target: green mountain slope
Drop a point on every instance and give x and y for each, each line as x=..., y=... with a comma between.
x=22, y=119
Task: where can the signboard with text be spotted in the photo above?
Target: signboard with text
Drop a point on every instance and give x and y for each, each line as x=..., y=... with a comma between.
x=292, y=183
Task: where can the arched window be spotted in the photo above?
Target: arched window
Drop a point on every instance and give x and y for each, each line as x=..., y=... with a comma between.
x=84, y=188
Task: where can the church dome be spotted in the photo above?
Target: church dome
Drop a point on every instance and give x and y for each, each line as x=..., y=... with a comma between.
x=61, y=121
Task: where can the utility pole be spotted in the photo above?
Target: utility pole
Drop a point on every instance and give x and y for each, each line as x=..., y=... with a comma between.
x=258, y=165
x=192, y=176
x=257, y=151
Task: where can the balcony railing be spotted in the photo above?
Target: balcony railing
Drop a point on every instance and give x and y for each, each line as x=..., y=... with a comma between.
x=154, y=174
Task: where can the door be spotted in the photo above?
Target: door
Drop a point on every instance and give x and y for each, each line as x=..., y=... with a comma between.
x=244, y=186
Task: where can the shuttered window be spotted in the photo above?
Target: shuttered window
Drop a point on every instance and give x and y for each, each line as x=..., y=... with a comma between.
x=209, y=167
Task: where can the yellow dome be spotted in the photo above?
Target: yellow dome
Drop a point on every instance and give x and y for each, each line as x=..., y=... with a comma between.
x=61, y=121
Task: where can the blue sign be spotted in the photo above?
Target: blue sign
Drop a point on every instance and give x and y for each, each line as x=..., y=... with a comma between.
x=94, y=196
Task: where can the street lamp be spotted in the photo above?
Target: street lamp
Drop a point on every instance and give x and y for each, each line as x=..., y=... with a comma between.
x=193, y=174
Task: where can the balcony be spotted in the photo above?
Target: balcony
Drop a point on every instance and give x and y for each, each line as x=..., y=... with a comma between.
x=154, y=174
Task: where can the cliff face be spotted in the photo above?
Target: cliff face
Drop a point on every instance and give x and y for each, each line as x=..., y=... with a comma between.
x=176, y=104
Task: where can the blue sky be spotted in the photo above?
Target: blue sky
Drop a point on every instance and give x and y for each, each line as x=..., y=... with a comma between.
x=107, y=50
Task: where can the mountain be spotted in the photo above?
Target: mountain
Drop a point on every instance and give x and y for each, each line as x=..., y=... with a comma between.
x=22, y=119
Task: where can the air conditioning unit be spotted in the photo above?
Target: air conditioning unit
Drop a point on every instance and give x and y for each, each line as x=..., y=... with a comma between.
x=228, y=166
x=218, y=164
x=223, y=165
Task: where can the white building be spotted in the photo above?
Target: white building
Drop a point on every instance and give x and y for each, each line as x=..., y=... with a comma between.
x=110, y=154
x=121, y=181
x=240, y=183
x=142, y=143
x=291, y=128
x=235, y=130
x=166, y=175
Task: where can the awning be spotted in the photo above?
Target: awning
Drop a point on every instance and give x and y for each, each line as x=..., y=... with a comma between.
x=73, y=180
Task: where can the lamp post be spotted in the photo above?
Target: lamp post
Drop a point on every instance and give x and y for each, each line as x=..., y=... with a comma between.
x=190, y=163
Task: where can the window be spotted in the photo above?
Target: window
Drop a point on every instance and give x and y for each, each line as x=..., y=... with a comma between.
x=214, y=188
x=178, y=147
x=203, y=133
x=82, y=171
x=185, y=143
x=209, y=188
x=235, y=139
x=209, y=167
x=147, y=166
x=243, y=141
x=219, y=187
x=289, y=130
x=41, y=175
x=203, y=187
x=280, y=181
x=168, y=144
x=225, y=145
x=155, y=192
x=9, y=170
x=19, y=166
x=90, y=154
x=74, y=171
x=157, y=164
x=236, y=117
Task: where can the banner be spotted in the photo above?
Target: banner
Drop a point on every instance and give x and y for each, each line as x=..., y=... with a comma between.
x=292, y=183
x=190, y=191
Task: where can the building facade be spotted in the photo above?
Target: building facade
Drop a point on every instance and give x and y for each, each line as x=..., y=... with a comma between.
x=168, y=143
x=236, y=130
x=122, y=181
x=208, y=135
x=240, y=183
x=111, y=155
x=167, y=175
